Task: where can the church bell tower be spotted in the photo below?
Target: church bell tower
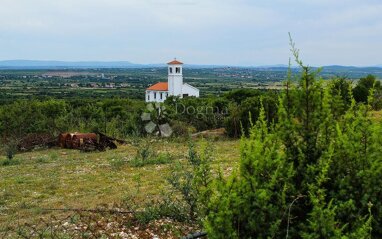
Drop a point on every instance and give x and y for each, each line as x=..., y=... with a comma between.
x=175, y=78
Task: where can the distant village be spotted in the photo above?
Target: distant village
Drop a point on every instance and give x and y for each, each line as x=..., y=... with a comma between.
x=102, y=80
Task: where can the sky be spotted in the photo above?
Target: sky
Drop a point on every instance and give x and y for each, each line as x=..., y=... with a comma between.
x=214, y=32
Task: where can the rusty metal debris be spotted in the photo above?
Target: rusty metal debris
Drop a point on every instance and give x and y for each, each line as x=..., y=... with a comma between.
x=88, y=141
x=77, y=140
x=83, y=141
x=32, y=141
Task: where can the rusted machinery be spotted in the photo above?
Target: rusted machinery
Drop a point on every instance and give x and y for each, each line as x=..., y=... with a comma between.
x=87, y=141
x=77, y=140
x=81, y=141
x=62, y=139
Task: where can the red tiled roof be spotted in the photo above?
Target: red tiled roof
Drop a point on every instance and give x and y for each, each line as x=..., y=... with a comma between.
x=175, y=62
x=161, y=86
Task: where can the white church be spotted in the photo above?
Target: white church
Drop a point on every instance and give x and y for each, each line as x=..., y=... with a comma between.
x=173, y=87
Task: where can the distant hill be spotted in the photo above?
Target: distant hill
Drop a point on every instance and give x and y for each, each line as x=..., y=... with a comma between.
x=34, y=64
x=273, y=66
x=338, y=67
x=31, y=64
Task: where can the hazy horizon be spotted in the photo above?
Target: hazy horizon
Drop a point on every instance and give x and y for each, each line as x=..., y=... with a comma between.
x=20, y=63
x=227, y=32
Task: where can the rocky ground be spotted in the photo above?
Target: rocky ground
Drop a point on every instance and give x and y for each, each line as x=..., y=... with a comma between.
x=99, y=225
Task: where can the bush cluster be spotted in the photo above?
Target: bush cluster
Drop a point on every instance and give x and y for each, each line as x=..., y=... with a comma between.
x=315, y=173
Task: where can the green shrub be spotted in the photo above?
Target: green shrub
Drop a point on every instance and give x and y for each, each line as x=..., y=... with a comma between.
x=117, y=163
x=53, y=156
x=8, y=162
x=10, y=149
x=166, y=207
x=42, y=159
x=241, y=116
x=146, y=156
x=161, y=158
x=312, y=174
x=192, y=181
x=10, y=153
x=182, y=129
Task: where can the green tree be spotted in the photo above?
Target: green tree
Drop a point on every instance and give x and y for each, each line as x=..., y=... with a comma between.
x=311, y=174
x=363, y=87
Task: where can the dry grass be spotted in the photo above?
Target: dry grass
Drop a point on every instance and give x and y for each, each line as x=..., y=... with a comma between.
x=376, y=115
x=60, y=178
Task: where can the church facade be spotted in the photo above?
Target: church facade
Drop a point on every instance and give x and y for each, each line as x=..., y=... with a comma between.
x=173, y=87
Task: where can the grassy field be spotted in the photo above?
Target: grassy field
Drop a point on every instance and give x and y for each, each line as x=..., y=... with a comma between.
x=62, y=178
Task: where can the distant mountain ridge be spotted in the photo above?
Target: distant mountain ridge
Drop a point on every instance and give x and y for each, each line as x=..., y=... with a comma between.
x=40, y=64
x=22, y=64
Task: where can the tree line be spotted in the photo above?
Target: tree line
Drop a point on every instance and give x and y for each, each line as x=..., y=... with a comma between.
x=235, y=111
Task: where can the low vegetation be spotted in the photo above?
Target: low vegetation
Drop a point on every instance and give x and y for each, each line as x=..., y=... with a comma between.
x=312, y=174
x=69, y=179
x=308, y=165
